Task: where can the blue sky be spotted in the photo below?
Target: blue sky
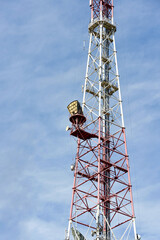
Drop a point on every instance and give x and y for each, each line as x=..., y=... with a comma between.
x=42, y=68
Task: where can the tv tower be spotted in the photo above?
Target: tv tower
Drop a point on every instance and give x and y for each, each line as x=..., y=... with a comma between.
x=102, y=203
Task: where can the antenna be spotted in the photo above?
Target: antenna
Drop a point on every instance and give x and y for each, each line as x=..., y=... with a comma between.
x=102, y=203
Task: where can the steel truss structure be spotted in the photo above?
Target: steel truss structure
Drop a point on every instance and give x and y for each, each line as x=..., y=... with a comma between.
x=102, y=203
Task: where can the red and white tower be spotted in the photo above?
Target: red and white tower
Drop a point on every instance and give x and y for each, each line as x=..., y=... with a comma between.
x=102, y=202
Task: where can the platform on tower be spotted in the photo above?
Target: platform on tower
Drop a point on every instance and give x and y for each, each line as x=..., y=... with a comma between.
x=82, y=134
x=106, y=23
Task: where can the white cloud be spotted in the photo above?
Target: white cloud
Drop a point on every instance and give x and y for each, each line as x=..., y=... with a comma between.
x=35, y=228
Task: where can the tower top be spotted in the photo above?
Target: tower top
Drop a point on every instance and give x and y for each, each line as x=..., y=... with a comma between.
x=104, y=7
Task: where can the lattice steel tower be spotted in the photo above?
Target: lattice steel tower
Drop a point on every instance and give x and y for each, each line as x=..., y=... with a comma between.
x=102, y=203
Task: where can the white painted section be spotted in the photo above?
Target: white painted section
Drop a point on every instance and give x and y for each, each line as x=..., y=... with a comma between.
x=117, y=76
x=69, y=229
x=129, y=226
x=86, y=78
x=134, y=228
x=113, y=236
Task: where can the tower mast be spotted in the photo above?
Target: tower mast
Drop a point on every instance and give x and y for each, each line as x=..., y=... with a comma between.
x=102, y=202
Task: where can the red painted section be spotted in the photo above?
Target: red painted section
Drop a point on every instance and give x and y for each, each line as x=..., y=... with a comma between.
x=90, y=179
x=75, y=176
x=106, y=6
x=99, y=158
x=129, y=178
